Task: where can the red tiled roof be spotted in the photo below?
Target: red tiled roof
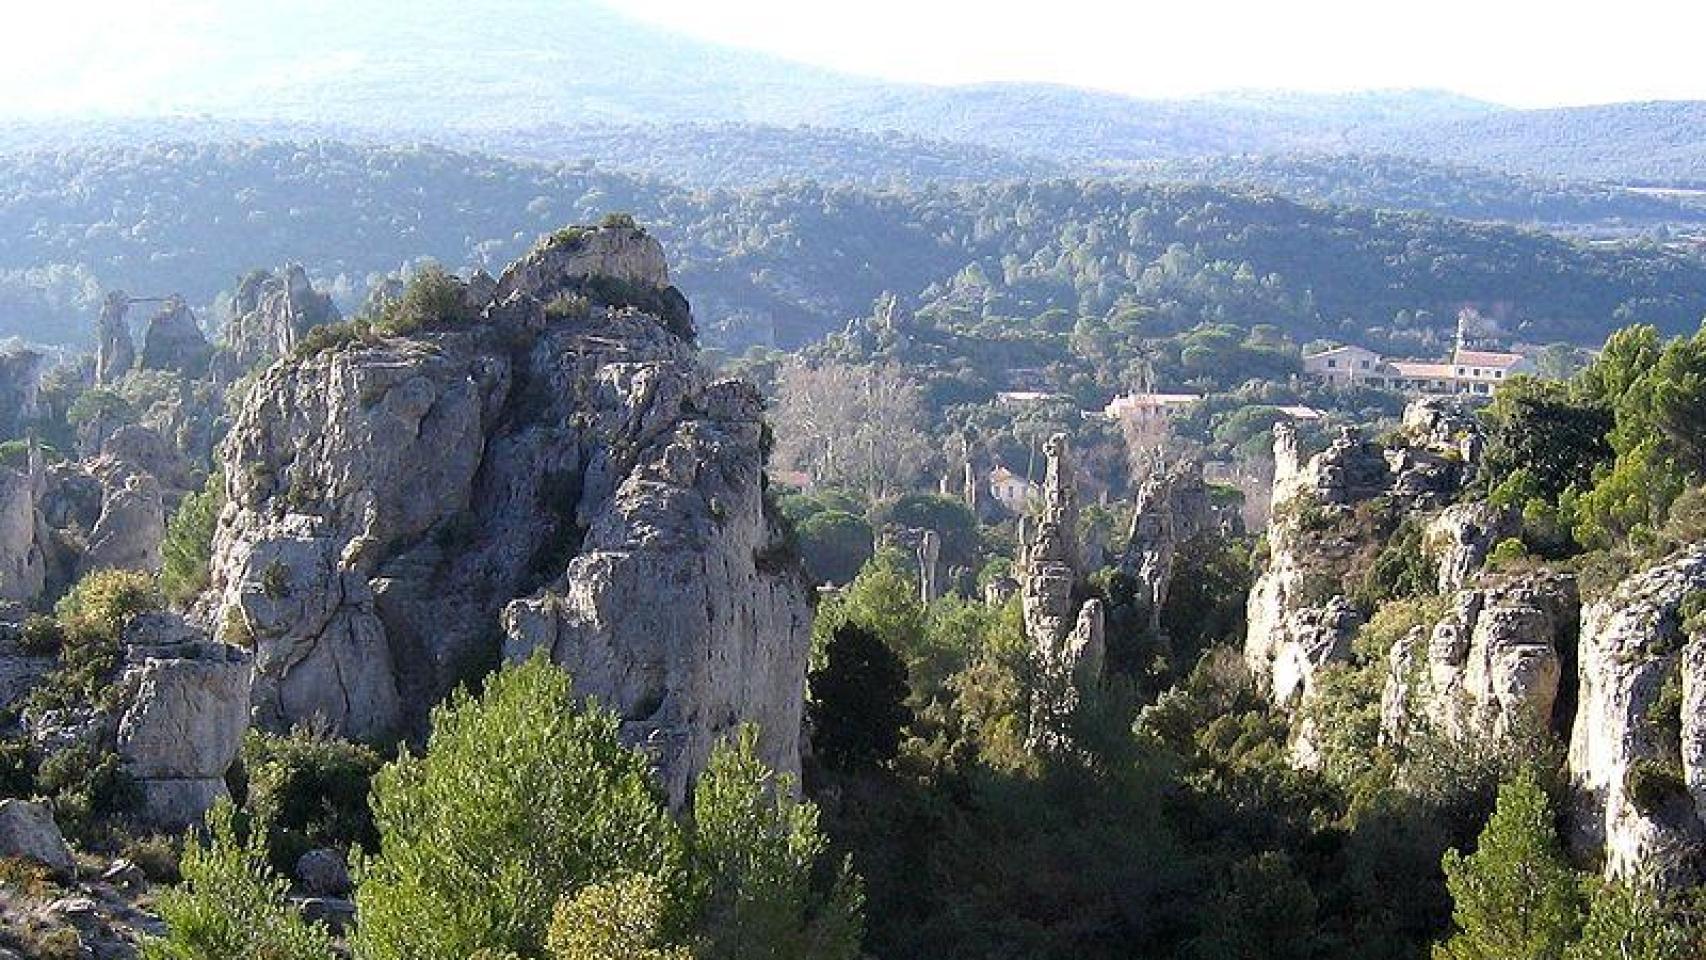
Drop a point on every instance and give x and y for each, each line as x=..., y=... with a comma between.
x=1483, y=358
x=1424, y=369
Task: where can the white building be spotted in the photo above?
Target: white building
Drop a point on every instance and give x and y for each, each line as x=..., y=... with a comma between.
x=1011, y=490
x=1345, y=365
x=1143, y=408
x=1467, y=371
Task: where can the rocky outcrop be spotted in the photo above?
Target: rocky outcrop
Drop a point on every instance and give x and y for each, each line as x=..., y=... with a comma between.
x=131, y=527
x=270, y=313
x=1493, y=666
x=1333, y=514
x=1298, y=619
x=188, y=707
x=174, y=341
x=1066, y=635
x=23, y=562
x=115, y=350
x=1460, y=538
x=556, y=480
x=1172, y=507
x=20, y=390
x=1637, y=755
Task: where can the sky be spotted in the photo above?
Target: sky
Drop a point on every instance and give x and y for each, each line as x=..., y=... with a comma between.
x=1515, y=52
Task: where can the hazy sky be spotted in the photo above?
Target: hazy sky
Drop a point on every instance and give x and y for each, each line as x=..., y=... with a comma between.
x=98, y=53
x=1520, y=52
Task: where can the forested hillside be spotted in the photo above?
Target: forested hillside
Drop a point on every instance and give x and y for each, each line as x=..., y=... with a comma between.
x=788, y=263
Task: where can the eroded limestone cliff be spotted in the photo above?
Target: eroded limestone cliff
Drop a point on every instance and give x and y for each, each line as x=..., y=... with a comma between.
x=554, y=471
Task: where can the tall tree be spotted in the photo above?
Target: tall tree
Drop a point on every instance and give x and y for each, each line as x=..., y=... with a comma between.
x=1514, y=898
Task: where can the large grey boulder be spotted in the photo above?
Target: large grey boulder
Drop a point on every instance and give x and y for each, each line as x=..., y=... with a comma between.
x=408, y=511
x=27, y=832
x=186, y=710
x=131, y=527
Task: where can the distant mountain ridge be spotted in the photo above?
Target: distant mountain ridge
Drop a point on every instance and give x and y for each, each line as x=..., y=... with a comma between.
x=474, y=74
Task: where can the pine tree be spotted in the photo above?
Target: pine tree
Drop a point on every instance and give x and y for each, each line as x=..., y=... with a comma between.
x=858, y=705
x=1515, y=897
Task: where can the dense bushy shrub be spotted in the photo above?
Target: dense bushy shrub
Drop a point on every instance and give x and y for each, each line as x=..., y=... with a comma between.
x=307, y=791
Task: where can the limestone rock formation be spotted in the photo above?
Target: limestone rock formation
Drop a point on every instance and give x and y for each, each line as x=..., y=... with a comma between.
x=115, y=350
x=567, y=481
x=20, y=390
x=1320, y=542
x=28, y=833
x=188, y=707
x=1638, y=748
x=1461, y=536
x=269, y=315
x=131, y=527
x=1172, y=507
x=1066, y=636
x=23, y=562
x=174, y=341
x=1298, y=619
x=1494, y=665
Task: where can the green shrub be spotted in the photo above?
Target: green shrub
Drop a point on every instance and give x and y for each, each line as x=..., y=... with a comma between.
x=568, y=306
x=858, y=700
x=85, y=787
x=232, y=906
x=1514, y=896
x=310, y=791
x=621, y=919
x=618, y=221
x=524, y=795
x=41, y=636
x=432, y=297
x=160, y=858
x=91, y=619
x=568, y=238
x=1506, y=554
x=188, y=546
x=17, y=767
x=330, y=336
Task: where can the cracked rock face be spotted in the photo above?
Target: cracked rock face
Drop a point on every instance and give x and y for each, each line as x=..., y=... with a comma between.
x=115, y=350
x=1494, y=665
x=1638, y=748
x=270, y=313
x=20, y=390
x=1298, y=621
x=1461, y=536
x=404, y=512
x=23, y=564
